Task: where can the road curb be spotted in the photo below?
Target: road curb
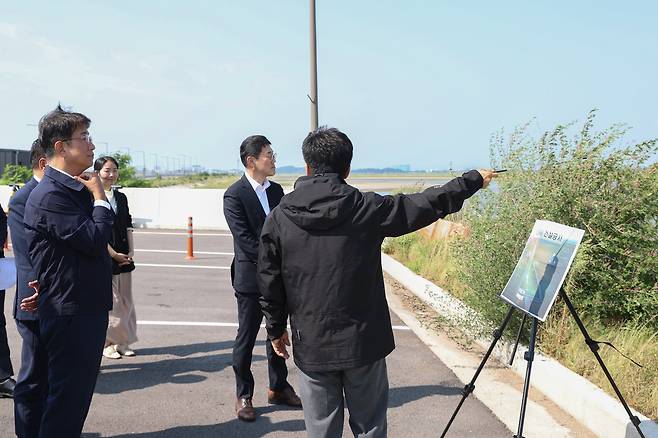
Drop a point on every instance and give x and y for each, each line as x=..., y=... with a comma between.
x=577, y=396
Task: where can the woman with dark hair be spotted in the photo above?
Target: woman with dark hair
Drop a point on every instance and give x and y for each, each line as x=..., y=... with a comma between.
x=122, y=326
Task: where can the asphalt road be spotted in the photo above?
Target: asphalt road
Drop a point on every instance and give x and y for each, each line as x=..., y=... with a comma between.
x=181, y=383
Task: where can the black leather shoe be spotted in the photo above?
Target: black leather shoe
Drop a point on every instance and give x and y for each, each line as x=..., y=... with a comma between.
x=244, y=409
x=7, y=388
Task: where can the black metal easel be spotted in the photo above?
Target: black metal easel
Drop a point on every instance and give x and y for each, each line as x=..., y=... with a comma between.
x=594, y=346
x=529, y=357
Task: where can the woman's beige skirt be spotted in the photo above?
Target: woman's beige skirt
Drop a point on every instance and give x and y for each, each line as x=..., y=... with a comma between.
x=122, y=327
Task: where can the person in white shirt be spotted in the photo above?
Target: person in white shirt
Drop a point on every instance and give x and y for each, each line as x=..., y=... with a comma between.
x=122, y=327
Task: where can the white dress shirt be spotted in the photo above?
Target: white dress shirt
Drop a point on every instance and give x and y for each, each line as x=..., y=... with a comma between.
x=98, y=202
x=260, y=190
x=111, y=199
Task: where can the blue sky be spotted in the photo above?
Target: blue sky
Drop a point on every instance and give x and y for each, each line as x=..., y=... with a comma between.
x=423, y=83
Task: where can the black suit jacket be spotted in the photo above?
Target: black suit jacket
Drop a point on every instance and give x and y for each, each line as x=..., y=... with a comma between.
x=245, y=217
x=119, y=240
x=24, y=271
x=3, y=239
x=67, y=241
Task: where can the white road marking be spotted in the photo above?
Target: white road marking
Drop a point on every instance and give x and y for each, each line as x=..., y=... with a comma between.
x=157, y=265
x=184, y=252
x=169, y=233
x=191, y=323
x=220, y=324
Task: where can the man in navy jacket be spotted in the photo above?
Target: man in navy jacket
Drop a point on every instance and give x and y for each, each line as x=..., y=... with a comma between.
x=68, y=223
x=31, y=387
x=6, y=370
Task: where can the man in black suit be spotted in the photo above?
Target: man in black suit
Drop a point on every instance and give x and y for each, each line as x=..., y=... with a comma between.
x=246, y=204
x=31, y=387
x=68, y=224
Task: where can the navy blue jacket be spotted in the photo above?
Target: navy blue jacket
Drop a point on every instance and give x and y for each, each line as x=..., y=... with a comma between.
x=3, y=238
x=245, y=217
x=67, y=241
x=24, y=271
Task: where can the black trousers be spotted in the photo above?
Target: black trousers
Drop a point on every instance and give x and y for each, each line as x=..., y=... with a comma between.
x=6, y=369
x=32, y=383
x=74, y=345
x=250, y=316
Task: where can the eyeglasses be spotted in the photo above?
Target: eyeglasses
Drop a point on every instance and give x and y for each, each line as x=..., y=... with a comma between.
x=84, y=137
x=270, y=155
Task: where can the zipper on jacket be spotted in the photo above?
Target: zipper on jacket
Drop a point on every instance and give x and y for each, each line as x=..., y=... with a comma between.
x=299, y=335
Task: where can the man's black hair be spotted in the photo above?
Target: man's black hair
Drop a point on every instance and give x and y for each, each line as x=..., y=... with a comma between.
x=100, y=162
x=59, y=125
x=327, y=150
x=36, y=153
x=252, y=147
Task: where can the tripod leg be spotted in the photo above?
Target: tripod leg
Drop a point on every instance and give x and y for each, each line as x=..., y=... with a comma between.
x=518, y=338
x=529, y=356
x=595, y=350
x=471, y=385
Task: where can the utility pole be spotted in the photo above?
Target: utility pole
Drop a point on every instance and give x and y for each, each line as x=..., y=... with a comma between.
x=314, y=72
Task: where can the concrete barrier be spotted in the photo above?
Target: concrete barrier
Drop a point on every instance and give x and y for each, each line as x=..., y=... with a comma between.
x=167, y=207
x=170, y=207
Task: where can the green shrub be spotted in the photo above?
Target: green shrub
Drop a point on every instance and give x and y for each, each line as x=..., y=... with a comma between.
x=15, y=174
x=589, y=180
x=127, y=173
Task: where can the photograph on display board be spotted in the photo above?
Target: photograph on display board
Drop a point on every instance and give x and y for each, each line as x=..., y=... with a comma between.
x=542, y=268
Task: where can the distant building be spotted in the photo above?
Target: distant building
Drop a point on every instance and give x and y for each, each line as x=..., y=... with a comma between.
x=14, y=156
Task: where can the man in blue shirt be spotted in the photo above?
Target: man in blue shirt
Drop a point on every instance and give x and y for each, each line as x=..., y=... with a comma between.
x=32, y=384
x=68, y=223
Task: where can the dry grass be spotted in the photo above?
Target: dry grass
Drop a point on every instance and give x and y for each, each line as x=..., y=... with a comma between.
x=561, y=339
x=429, y=259
x=195, y=181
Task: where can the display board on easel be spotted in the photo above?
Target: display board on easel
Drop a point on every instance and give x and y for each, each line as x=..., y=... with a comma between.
x=533, y=287
x=542, y=268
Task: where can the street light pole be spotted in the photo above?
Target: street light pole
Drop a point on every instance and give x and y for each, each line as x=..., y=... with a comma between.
x=143, y=162
x=183, y=160
x=314, y=72
x=189, y=160
x=155, y=169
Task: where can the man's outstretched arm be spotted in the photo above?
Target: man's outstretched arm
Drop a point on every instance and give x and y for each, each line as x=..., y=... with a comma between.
x=402, y=214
